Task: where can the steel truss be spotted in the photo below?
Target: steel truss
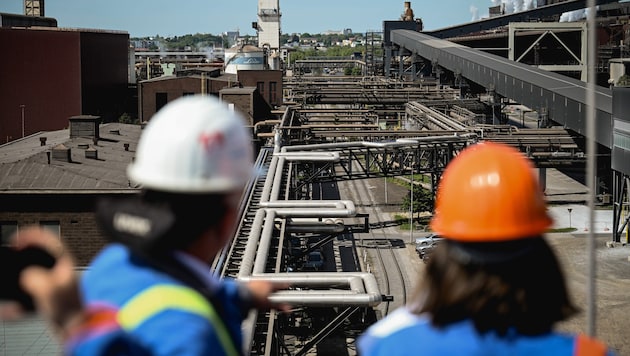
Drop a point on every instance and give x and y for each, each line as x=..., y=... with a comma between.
x=428, y=155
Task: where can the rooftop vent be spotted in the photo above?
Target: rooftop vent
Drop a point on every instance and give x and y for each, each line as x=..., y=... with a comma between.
x=91, y=153
x=61, y=153
x=84, y=126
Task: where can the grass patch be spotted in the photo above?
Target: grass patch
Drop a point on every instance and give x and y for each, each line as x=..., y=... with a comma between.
x=420, y=224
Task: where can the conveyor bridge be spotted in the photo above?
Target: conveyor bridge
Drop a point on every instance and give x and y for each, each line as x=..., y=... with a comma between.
x=562, y=98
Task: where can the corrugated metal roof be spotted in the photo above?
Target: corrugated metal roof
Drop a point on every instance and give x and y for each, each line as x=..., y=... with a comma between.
x=24, y=163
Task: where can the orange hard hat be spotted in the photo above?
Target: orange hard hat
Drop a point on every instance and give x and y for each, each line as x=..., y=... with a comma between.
x=489, y=193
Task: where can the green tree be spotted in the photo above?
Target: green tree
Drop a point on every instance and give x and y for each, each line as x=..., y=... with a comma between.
x=423, y=200
x=624, y=81
x=125, y=118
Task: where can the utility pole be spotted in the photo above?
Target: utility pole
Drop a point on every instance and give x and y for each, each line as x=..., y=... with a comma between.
x=22, y=108
x=411, y=205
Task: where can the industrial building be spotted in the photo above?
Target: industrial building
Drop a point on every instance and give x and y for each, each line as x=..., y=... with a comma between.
x=87, y=75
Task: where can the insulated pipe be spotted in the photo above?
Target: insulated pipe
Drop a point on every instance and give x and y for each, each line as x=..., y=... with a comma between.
x=319, y=299
x=309, y=156
x=332, y=204
x=320, y=146
x=412, y=141
x=363, y=288
x=264, y=238
x=312, y=208
x=247, y=263
x=269, y=180
x=315, y=227
x=315, y=213
x=265, y=123
x=277, y=180
x=264, y=242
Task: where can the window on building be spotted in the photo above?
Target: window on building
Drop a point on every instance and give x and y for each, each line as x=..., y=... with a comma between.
x=188, y=93
x=160, y=100
x=261, y=88
x=7, y=228
x=53, y=225
x=273, y=88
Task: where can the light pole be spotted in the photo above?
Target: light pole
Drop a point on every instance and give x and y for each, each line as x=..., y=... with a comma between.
x=411, y=205
x=22, y=108
x=570, y=210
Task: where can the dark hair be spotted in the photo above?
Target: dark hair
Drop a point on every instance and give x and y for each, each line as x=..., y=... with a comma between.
x=193, y=214
x=525, y=293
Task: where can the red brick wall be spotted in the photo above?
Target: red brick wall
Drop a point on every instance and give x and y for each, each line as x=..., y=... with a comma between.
x=174, y=88
x=250, y=78
x=41, y=70
x=243, y=103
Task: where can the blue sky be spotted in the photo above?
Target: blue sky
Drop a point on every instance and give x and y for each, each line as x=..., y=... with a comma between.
x=170, y=18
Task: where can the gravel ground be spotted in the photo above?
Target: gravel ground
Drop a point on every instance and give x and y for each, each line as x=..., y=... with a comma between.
x=612, y=286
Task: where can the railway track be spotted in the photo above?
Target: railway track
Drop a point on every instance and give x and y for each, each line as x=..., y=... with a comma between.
x=384, y=246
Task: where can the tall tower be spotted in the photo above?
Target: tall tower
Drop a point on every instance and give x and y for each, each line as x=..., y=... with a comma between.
x=34, y=8
x=268, y=25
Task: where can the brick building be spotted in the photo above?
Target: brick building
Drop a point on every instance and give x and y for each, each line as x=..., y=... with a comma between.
x=54, y=179
x=49, y=74
x=256, y=104
x=153, y=94
x=248, y=102
x=268, y=83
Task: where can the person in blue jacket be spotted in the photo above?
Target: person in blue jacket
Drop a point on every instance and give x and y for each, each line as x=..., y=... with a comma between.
x=151, y=290
x=494, y=286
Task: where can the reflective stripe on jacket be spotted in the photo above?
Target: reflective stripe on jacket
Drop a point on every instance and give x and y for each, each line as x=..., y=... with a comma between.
x=165, y=314
x=161, y=297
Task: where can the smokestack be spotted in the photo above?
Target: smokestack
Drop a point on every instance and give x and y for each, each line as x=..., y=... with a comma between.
x=408, y=14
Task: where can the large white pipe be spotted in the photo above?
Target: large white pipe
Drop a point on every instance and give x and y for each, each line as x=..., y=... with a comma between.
x=362, y=288
x=309, y=156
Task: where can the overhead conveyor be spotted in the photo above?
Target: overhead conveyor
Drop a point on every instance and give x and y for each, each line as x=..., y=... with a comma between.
x=562, y=98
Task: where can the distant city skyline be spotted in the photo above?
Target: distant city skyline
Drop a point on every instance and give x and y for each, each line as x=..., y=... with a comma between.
x=145, y=18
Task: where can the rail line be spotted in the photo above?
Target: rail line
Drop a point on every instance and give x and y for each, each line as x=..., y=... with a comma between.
x=384, y=246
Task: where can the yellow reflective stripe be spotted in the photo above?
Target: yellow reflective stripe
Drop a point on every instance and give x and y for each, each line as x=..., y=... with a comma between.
x=168, y=296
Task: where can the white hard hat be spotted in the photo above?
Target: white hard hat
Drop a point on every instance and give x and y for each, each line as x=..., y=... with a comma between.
x=194, y=144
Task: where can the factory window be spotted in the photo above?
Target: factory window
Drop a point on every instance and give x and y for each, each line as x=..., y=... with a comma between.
x=160, y=100
x=273, y=88
x=261, y=88
x=621, y=141
x=7, y=228
x=52, y=225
